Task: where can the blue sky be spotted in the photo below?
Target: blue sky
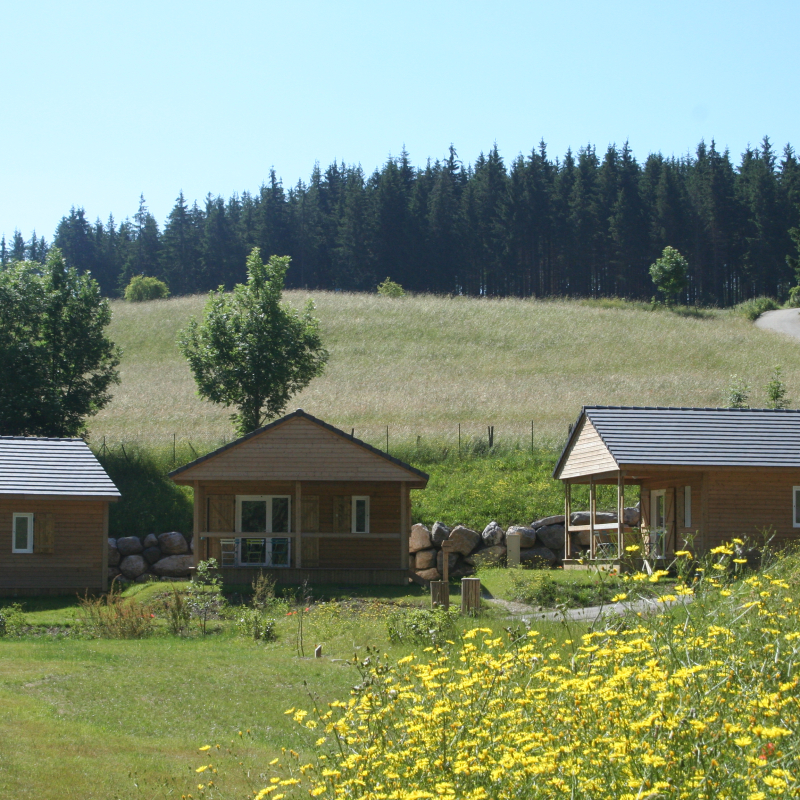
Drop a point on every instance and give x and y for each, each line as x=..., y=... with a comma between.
x=106, y=101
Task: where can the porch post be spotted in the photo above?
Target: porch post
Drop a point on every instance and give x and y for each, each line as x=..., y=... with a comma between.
x=592, y=508
x=298, y=524
x=620, y=514
x=567, y=512
x=196, y=526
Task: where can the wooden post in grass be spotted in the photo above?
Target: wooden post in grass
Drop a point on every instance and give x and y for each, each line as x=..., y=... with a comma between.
x=440, y=590
x=470, y=596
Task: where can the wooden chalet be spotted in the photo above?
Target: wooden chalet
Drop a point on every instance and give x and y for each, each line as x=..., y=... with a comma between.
x=701, y=474
x=302, y=500
x=54, y=498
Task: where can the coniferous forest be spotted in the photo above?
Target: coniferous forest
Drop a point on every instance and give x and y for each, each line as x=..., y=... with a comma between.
x=587, y=224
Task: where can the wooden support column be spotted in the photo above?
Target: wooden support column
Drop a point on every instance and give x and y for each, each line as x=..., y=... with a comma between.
x=104, y=566
x=567, y=511
x=298, y=524
x=405, y=520
x=620, y=514
x=197, y=525
x=592, y=509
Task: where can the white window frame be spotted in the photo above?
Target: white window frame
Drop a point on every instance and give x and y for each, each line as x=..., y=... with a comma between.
x=687, y=506
x=282, y=535
x=795, y=506
x=353, y=527
x=14, y=518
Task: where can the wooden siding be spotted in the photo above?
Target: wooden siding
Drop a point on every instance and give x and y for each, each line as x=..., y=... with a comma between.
x=297, y=450
x=73, y=560
x=587, y=454
x=745, y=504
x=324, y=540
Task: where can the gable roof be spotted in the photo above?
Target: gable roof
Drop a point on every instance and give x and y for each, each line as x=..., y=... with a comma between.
x=296, y=447
x=63, y=467
x=724, y=437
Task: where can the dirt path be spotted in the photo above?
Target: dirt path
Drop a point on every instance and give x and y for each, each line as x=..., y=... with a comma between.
x=785, y=320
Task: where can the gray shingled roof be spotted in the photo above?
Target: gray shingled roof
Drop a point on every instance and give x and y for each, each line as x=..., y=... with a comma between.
x=32, y=465
x=699, y=436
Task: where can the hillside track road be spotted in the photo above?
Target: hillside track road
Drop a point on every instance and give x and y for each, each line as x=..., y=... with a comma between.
x=784, y=320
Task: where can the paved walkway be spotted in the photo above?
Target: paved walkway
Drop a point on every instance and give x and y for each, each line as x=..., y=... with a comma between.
x=785, y=320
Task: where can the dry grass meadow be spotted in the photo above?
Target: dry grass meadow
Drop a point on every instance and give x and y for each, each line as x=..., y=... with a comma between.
x=422, y=365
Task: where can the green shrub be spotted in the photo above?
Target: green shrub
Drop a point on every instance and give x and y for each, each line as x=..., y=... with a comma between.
x=432, y=628
x=794, y=297
x=391, y=289
x=12, y=620
x=253, y=624
x=144, y=287
x=753, y=309
x=111, y=616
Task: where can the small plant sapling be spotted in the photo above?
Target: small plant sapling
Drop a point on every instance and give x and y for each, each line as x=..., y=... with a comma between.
x=738, y=393
x=204, y=592
x=776, y=391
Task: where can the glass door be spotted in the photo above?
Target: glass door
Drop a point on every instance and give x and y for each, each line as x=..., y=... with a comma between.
x=263, y=514
x=658, y=523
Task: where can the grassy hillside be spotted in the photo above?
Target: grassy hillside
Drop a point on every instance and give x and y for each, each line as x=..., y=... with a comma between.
x=422, y=365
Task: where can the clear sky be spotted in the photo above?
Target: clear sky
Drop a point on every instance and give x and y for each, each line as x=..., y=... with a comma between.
x=104, y=101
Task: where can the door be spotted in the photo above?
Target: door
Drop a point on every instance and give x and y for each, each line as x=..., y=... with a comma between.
x=658, y=523
x=263, y=514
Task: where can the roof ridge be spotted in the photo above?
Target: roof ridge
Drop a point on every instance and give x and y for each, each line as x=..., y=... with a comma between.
x=693, y=408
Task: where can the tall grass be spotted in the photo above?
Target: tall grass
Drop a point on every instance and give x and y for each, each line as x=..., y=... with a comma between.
x=424, y=364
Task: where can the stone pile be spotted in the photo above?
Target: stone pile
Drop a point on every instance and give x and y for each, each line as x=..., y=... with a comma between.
x=541, y=543
x=165, y=556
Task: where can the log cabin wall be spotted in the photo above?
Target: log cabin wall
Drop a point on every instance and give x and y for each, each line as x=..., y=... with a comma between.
x=70, y=546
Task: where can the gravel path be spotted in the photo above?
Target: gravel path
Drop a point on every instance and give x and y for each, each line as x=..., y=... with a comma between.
x=530, y=613
x=785, y=320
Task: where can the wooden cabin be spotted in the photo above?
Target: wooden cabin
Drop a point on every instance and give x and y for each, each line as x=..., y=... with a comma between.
x=54, y=498
x=701, y=474
x=302, y=500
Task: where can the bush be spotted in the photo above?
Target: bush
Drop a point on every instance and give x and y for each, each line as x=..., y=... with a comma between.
x=391, y=289
x=753, y=309
x=432, y=628
x=143, y=287
x=794, y=297
x=113, y=617
x=12, y=620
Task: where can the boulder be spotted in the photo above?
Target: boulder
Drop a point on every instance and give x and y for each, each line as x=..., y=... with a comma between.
x=129, y=546
x=174, y=566
x=580, y=538
x=557, y=519
x=152, y=554
x=493, y=534
x=420, y=538
x=412, y=561
x=429, y=574
x=151, y=540
x=425, y=559
x=144, y=578
x=133, y=566
x=173, y=543
x=632, y=516
x=600, y=518
x=190, y=543
x=489, y=555
x=463, y=540
x=439, y=533
x=551, y=536
x=113, y=553
x=112, y=573
x=542, y=556
x=462, y=570
x=452, y=562
x=527, y=536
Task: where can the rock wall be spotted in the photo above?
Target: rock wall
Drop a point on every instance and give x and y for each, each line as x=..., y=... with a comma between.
x=162, y=556
x=541, y=543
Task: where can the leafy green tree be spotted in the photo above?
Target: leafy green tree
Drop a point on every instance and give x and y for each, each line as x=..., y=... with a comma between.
x=669, y=273
x=738, y=393
x=776, y=391
x=252, y=351
x=390, y=288
x=56, y=362
x=142, y=288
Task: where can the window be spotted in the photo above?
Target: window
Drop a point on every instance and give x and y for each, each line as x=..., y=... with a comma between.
x=263, y=514
x=658, y=523
x=687, y=506
x=360, y=521
x=796, y=507
x=22, y=533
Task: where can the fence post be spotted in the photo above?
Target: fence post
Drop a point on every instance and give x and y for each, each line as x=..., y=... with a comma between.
x=512, y=551
x=470, y=596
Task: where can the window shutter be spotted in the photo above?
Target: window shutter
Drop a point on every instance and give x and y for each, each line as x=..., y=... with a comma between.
x=44, y=529
x=310, y=552
x=669, y=521
x=221, y=513
x=342, y=514
x=309, y=517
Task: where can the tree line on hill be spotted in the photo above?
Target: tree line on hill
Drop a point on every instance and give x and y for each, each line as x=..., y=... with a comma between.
x=585, y=225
